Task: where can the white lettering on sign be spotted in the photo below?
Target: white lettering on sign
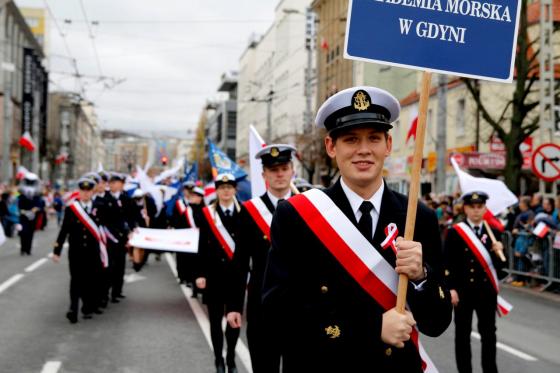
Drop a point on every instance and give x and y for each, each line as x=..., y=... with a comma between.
x=449, y=33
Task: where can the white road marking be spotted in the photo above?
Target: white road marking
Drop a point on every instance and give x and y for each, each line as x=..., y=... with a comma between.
x=509, y=349
x=204, y=323
x=9, y=282
x=51, y=367
x=36, y=265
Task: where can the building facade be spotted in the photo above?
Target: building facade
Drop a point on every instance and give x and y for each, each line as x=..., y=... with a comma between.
x=276, y=86
x=24, y=84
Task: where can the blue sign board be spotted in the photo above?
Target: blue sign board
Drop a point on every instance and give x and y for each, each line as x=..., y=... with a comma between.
x=470, y=38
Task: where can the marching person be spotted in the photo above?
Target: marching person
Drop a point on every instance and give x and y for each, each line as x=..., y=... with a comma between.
x=29, y=202
x=119, y=217
x=252, y=248
x=85, y=256
x=473, y=269
x=183, y=217
x=218, y=231
x=330, y=281
x=147, y=210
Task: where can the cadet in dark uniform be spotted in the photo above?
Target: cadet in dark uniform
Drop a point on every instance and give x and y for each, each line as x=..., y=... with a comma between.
x=328, y=318
x=470, y=286
x=252, y=249
x=218, y=230
x=180, y=219
x=28, y=205
x=83, y=251
x=120, y=217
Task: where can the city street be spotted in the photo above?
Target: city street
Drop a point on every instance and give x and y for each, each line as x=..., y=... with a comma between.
x=159, y=328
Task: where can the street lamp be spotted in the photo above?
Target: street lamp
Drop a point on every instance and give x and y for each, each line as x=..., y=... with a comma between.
x=268, y=101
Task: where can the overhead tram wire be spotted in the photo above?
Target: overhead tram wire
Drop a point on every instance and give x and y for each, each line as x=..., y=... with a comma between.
x=92, y=38
x=63, y=36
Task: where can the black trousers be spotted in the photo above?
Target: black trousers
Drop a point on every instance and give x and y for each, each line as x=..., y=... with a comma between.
x=264, y=351
x=82, y=287
x=26, y=235
x=117, y=265
x=216, y=310
x=484, y=304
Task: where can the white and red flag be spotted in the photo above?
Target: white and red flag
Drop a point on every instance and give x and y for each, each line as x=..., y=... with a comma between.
x=256, y=143
x=541, y=230
x=499, y=196
x=209, y=193
x=413, y=124
x=27, y=142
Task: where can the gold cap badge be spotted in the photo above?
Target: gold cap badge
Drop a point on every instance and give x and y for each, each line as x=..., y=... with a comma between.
x=475, y=196
x=333, y=331
x=274, y=152
x=361, y=100
x=225, y=179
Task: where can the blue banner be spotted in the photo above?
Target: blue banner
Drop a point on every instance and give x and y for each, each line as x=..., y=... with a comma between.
x=221, y=163
x=470, y=38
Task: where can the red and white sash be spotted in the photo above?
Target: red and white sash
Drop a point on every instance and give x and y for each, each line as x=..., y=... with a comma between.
x=219, y=230
x=97, y=233
x=483, y=257
x=260, y=214
x=355, y=253
x=187, y=211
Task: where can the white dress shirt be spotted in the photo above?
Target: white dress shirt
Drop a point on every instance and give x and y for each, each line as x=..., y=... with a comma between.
x=87, y=206
x=228, y=208
x=275, y=199
x=356, y=201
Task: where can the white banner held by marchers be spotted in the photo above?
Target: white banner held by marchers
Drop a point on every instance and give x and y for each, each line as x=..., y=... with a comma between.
x=256, y=143
x=180, y=240
x=2, y=235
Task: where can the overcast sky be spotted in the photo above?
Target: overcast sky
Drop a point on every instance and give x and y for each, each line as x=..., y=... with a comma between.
x=170, y=53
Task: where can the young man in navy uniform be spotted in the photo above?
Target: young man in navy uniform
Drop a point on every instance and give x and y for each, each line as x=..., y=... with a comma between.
x=218, y=231
x=81, y=227
x=470, y=286
x=119, y=217
x=332, y=316
x=250, y=256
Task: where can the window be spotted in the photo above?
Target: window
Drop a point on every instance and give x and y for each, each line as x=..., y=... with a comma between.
x=460, y=118
x=231, y=125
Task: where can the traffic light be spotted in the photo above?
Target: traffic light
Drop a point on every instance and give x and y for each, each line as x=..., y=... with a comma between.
x=164, y=160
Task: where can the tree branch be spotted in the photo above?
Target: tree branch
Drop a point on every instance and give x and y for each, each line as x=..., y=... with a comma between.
x=475, y=93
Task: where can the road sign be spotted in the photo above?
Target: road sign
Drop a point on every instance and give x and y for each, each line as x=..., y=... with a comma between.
x=475, y=39
x=546, y=162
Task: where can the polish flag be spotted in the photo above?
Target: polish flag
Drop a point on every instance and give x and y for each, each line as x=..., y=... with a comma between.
x=209, y=193
x=499, y=196
x=413, y=126
x=256, y=143
x=21, y=172
x=61, y=158
x=27, y=142
x=541, y=230
x=324, y=44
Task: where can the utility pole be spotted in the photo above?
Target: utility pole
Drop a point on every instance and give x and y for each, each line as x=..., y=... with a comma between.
x=546, y=77
x=269, y=116
x=441, y=145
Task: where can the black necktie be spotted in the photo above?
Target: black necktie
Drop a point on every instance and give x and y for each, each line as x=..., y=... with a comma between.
x=365, y=224
x=228, y=213
x=477, y=230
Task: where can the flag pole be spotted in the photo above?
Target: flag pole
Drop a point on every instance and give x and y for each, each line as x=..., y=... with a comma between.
x=500, y=253
x=415, y=179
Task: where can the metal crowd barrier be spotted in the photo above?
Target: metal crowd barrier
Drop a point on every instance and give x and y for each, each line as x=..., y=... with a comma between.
x=541, y=262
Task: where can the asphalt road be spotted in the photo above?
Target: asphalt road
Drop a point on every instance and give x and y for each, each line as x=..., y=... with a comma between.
x=159, y=328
